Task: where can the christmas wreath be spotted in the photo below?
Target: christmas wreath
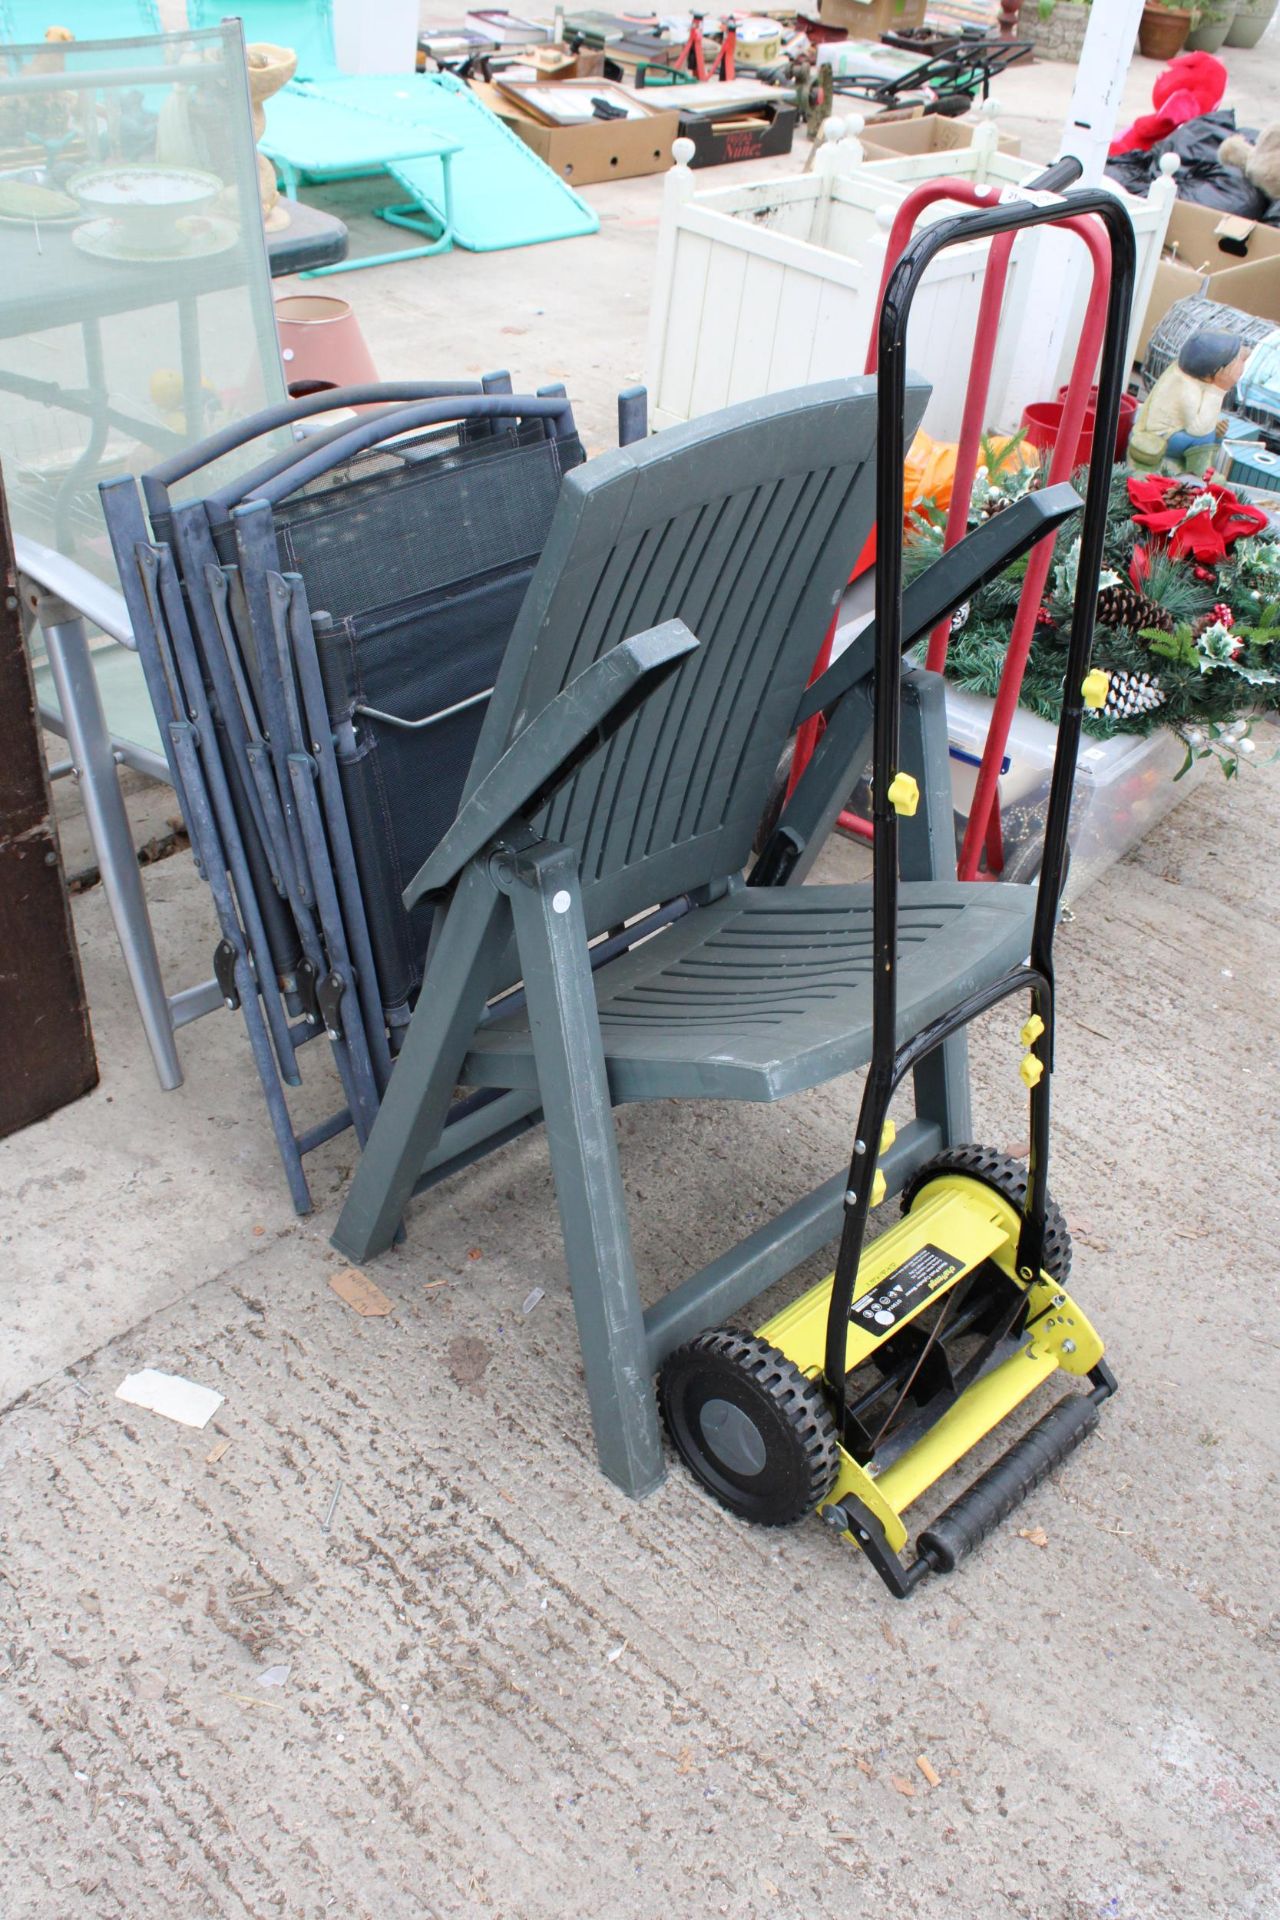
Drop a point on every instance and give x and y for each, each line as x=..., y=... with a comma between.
x=1188, y=612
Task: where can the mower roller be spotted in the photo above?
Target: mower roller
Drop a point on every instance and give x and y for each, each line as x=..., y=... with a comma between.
x=858, y=1397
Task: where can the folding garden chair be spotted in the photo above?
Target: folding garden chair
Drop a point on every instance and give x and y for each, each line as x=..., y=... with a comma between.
x=946, y=82
x=320, y=757
x=656, y=668
x=469, y=179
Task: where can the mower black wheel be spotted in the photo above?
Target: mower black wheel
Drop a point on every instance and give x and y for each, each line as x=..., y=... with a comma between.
x=750, y=1426
x=1008, y=1178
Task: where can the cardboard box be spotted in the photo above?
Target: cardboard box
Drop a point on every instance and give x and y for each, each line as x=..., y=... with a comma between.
x=745, y=132
x=935, y=133
x=599, y=150
x=1196, y=261
x=868, y=19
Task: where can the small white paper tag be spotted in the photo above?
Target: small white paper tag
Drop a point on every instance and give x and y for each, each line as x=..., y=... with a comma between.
x=171, y=1395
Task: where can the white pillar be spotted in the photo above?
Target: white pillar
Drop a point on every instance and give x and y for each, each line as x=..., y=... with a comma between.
x=1043, y=325
x=1095, y=102
x=382, y=38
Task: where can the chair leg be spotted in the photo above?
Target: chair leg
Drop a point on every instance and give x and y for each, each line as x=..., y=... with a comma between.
x=94, y=758
x=551, y=935
x=928, y=852
x=412, y=1115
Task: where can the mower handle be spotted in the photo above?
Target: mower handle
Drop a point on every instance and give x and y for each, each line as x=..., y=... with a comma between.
x=1010, y=214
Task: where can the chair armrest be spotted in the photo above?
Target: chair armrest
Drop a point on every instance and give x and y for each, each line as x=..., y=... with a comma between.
x=550, y=749
x=961, y=572
x=91, y=597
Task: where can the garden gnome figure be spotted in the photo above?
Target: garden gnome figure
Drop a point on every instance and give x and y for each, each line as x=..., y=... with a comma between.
x=1180, y=423
x=270, y=68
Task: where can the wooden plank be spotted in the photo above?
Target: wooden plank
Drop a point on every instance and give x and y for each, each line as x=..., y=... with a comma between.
x=745, y=237
x=684, y=324
x=722, y=303
x=840, y=332
x=793, y=339
x=45, y=1041
x=757, y=329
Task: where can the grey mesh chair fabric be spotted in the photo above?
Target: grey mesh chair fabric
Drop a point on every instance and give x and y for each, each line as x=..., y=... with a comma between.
x=415, y=562
x=705, y=562
x=419, y=545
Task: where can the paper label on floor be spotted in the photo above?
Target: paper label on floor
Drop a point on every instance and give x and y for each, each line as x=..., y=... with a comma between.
x=901, y=1291
x=360, y=1292
x=171, y=1395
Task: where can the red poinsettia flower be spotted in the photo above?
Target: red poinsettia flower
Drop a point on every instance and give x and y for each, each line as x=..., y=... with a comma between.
x=1203, y=530
x=1235, y=519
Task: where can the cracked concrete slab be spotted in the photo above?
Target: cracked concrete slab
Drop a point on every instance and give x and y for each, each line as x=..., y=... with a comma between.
x=510, y=1693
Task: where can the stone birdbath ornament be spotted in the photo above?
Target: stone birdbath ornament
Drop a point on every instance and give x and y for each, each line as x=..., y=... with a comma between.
x=270, y=68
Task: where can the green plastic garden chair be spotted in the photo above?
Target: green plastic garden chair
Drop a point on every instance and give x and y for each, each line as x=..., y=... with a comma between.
x=655, y=671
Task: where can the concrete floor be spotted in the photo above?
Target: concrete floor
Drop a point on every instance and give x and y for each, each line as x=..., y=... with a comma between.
x=510, y=1692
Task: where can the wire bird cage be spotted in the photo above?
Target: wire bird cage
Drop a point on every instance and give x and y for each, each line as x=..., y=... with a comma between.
x=1195, y=315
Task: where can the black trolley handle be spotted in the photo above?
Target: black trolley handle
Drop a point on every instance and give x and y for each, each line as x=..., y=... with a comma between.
x=889, y=1062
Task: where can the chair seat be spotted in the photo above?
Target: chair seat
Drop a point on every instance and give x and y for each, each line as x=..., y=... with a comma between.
x=768, y=991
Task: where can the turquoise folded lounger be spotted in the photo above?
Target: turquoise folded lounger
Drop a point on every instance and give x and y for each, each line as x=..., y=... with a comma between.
x=468, y=178
x=503, y=195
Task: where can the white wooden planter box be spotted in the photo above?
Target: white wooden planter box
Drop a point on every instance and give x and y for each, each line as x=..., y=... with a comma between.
x=767, y=286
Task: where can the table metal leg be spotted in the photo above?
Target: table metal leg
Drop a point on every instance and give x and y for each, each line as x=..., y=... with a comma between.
x=91, y=751
x=415, y=218
x=189, y=348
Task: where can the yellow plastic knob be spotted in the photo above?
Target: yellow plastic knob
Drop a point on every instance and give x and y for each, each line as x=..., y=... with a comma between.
x=1031, y=1070
x=1031, y=1030
x=888, y=1134
x=904, y=794
x=879, y=1188
x=1095, y=688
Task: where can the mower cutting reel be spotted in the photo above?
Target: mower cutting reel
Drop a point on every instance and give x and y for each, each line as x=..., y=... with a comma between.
x=863, y=1393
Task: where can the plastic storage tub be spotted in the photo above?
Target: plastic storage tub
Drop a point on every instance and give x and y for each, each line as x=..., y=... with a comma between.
x=1124, y=786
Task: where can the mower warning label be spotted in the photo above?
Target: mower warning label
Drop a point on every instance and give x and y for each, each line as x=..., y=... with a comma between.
x=903, y=1290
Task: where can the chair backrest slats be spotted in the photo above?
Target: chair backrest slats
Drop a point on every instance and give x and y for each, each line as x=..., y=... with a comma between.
x=744, y=525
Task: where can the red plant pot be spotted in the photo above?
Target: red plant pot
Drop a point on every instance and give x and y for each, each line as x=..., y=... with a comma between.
x=1043, y=423
x=1128, y=413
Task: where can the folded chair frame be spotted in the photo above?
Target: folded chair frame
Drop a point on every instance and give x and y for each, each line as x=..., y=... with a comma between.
x=253, y=756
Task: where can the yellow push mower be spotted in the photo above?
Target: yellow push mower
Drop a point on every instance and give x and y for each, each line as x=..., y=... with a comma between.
x=857, y=1398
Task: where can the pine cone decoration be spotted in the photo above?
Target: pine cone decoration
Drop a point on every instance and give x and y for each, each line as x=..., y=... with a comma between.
x=1124, y=606
x=1131, y=694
